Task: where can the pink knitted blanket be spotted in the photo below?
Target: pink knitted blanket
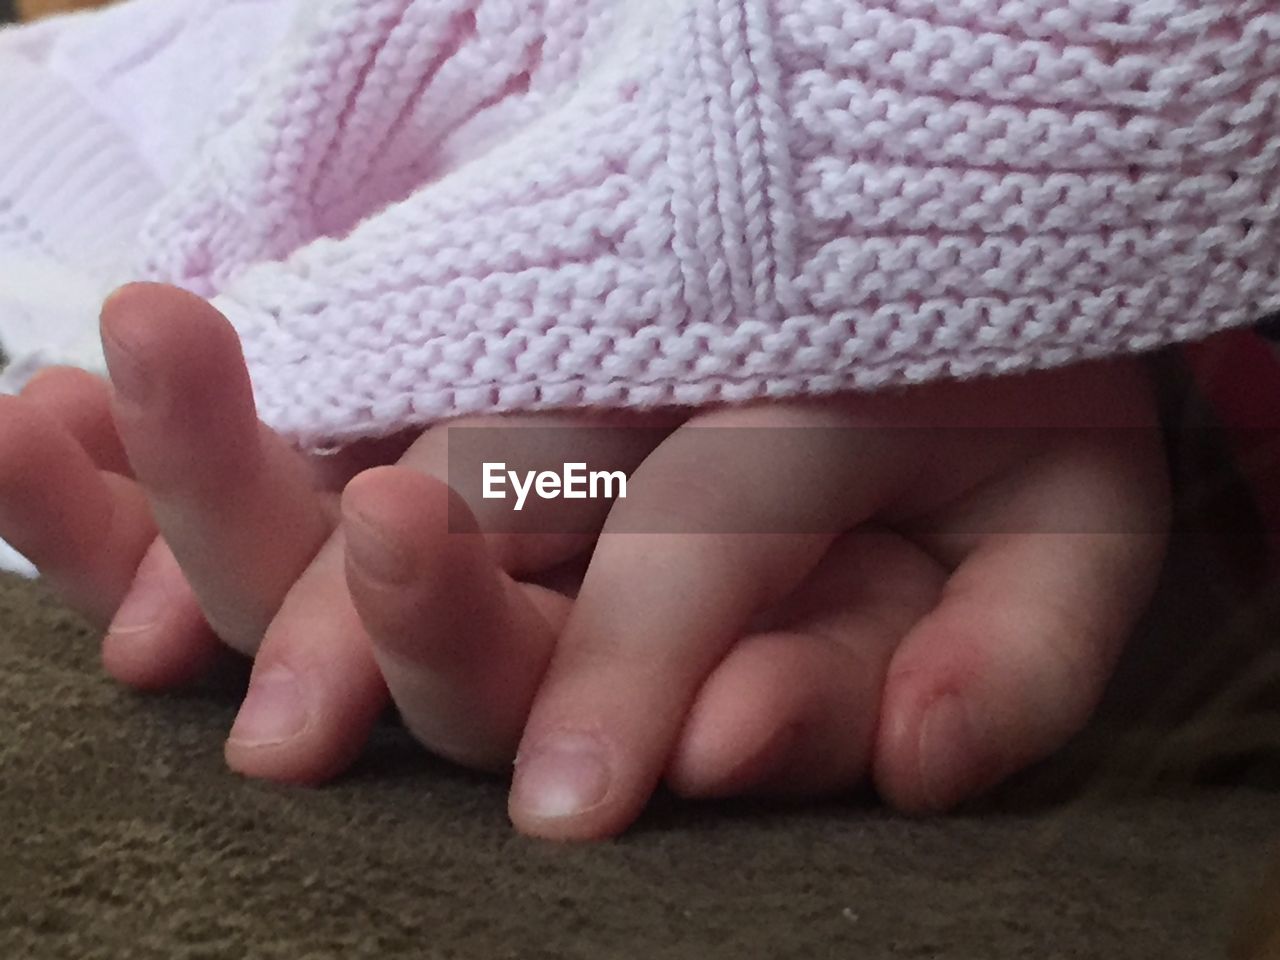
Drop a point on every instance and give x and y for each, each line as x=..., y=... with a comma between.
x=413, y=209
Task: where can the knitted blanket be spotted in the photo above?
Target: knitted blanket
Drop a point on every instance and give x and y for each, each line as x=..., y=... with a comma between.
x=413, y=209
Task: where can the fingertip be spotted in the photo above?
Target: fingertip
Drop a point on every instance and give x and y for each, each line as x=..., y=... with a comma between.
x=127, y=309
x=977, y=692
x=783, y=715
x=294, y=727
x=284, y=765
x=377, y=557
x=926, y=761
x=939, y=744
x=315, y=692
x=160, y=660
x=57, y=510
x=709, y=769
x=182, y=404
x=567, y=787
x=404, y=502
x=741, y=731
x=393, y=522
x=141, y=299
x=49, y=383
x=294, y=763
x=424, y=596
x=156, y=337
x=81, y=402
x=26, y=427
x=123, y=297
x=158, y=638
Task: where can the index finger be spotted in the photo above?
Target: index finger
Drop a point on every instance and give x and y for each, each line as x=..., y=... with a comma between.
x=730, y=533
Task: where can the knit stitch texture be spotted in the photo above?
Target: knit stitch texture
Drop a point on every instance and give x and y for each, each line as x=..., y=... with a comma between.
x=414, y=209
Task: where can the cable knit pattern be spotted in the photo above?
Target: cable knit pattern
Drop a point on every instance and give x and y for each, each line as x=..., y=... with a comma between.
x=423, y=208
x=98, y=113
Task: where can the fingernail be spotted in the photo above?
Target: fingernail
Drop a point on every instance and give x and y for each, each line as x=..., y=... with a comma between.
x=947, y=758
x=112, y=297
x=562, y=777
x=128, y=375
x=274, y=710
x=142, y=606
x=375, y=556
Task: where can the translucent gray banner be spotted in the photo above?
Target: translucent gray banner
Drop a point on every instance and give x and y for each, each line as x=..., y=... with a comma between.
x=818, y=480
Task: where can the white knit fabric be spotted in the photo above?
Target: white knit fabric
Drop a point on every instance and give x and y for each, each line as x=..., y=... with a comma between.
x=422, y=208
x=99, y=110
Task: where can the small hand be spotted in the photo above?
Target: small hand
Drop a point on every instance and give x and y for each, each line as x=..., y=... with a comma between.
x=928, y=588
x=253, y=527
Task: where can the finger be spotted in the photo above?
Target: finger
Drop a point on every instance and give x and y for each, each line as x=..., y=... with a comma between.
x=1015, y=657
x=159, y=638
x=461, y=646
x=81, y=403
x=285, y=735
x=658, y=610
x=627, y=669
x=84, y=530
x=90, y=532
x=232, y=499
x=794, y=710
x=315, y=692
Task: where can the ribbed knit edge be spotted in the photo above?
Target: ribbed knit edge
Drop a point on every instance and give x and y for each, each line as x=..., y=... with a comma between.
x=76, y=184
x=69, y=174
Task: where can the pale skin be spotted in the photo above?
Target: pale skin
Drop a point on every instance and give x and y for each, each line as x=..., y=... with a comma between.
x=952, y=614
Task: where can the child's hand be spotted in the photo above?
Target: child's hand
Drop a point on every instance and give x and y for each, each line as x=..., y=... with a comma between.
x=828, y=684
x=930, y=592
x=248, y=524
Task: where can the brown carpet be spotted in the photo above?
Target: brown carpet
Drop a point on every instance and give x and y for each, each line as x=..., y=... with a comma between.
x=122, y=835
